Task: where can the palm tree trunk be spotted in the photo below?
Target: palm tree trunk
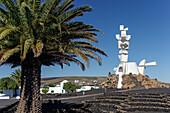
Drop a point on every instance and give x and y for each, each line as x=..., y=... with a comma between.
x=30, y=87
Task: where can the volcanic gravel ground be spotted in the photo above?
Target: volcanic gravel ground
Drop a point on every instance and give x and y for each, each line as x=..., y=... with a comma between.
x=151, y=90
x=6, y=104
x=155, y=100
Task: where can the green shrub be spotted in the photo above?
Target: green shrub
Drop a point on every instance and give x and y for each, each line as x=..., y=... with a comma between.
x=108, y=82
x=8, y=83
x=51, y=85
x=71, y=86
x=45, y=90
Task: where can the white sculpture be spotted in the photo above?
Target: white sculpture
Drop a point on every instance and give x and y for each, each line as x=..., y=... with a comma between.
x=126, y=67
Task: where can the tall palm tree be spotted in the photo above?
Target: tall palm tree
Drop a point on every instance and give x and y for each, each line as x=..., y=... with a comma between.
x=33, y=34
x=16, y=75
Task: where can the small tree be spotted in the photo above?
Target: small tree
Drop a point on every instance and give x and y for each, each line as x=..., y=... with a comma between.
x=51, y=85
x=45, y=90
x=8, y=83
x=71, y=86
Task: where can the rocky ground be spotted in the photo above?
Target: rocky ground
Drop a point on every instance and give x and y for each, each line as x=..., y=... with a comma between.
x=132, y=81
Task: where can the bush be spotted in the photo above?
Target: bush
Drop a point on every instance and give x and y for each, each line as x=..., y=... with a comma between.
x=51, y=85
x=8, y=83
x=45, y=90
x=71, y=86
x=108, y=82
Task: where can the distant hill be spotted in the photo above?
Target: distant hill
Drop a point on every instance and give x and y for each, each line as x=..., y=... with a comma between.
x=57, y=80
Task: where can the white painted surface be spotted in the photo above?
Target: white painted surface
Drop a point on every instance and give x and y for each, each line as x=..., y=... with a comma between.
x=128, y=37
x=95, y=87
x=58, y=88
x=84, y=88
x=141, y=70
x=117, y=36
x=131, y=67
x=5, y=97
x=120, y=81
x=123, y=33
x=150, y=64
x=17, y=97
x=142, y=63
x=123, y=58
x=123, y=52
x=121, y=27
x=62, y=83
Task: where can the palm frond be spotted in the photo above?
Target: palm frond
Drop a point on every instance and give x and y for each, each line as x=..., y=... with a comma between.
x=8, y=53
x=92, y=57
x=65, y=62
x=26, y=17
x=71, y=14
x=49, y=5
x=4, y=31
x=27, y=46
x=18, y=2
x=82, y=56
x=62, y=7
x=79, y=35
x=92, y=48
x=36, y=6
x=78, y=62
x=88, y=51
x=37, y=49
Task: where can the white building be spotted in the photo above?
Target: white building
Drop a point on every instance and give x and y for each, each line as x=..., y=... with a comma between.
x=126, y=67
x=84, y=88
x=7, y=94
x=58, y=88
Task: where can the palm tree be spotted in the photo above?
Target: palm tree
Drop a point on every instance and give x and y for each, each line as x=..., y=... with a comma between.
x=16, y=75
x=33, y=34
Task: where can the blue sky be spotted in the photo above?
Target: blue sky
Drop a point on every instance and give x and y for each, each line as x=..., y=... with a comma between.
x=149, y=24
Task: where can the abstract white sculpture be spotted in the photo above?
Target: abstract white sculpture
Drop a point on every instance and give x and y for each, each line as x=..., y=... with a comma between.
x=126, y=67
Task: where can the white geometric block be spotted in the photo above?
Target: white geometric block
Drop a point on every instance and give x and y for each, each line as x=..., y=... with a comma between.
x=121, y=27
x=141, y=70
x=128, y=37
x=123, y=58
x=123, y=33
x=118, y=36
x=119, y=44
x=126, y=29
x=142, y=63
x=151, y=64
x=123, y=52
x=131, y=67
